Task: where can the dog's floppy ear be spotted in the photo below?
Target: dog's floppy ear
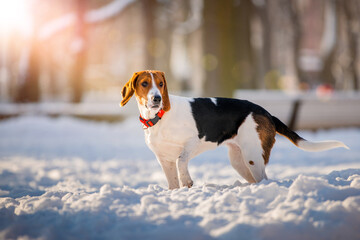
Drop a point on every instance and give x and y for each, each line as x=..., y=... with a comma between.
x=166, y=100
x=129, y=89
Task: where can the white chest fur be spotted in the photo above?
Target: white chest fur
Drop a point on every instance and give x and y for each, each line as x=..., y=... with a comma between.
x=176, y=131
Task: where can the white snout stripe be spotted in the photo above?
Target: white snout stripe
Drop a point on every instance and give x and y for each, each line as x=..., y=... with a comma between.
x=154, y=90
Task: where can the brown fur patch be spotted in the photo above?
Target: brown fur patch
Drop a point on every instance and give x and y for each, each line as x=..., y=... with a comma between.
x=135, y=85
x=267, y=132
x=165, y=94
x=128, y=89
x=141, y=92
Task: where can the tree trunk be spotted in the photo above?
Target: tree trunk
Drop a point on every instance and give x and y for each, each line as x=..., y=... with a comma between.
x=79, y=47
x=263, y=61
x=149, y=7
x=243, y=71
x=352, y=11
x=330, y=42
x=297, y=34
x=28, y=89
x=218, y=43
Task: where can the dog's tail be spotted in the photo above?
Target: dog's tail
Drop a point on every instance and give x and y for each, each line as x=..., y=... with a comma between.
x=303, y=144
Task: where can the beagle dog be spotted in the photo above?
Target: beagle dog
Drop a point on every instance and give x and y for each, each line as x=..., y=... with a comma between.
x=178, y=128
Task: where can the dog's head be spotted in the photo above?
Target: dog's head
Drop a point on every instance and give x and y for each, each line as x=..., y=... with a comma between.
x=150, y=90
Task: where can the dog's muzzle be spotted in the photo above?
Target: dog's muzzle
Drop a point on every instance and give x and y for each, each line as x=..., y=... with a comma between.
x=156, y=101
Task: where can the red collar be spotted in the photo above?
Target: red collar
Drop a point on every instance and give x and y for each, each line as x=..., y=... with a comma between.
x=151, y=122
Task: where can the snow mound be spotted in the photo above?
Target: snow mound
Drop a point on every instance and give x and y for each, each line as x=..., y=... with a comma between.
x=66, y=178
x=307, y=208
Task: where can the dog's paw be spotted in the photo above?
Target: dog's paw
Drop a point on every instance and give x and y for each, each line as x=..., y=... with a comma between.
x=188, y=183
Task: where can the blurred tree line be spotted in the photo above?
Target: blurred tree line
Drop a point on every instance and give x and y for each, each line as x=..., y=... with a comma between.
x=210, y=47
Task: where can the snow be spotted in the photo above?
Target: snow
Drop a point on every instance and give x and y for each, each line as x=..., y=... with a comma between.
x=64, y=178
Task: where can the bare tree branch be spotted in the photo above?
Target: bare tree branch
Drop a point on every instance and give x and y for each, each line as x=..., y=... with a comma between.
x=194, y=21
x=94, y=16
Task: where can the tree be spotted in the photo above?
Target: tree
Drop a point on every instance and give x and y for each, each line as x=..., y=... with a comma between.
x=341, y=56
x=352, y=15
x=79, y=47
x=28, y=89
x=243, y=69
x=330, y=40
x=148, y=13
x=219, y=51
x=28, y=83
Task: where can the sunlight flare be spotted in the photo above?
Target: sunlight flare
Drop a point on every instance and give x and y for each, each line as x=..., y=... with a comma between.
x=15, y=17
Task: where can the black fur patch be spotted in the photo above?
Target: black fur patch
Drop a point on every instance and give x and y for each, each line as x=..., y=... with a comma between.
x=219, y=122
x=284, y=130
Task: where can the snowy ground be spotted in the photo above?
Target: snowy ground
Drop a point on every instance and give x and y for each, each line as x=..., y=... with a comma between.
x=64, y=178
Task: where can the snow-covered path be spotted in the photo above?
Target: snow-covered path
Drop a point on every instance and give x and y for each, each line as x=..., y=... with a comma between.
x=64, y=178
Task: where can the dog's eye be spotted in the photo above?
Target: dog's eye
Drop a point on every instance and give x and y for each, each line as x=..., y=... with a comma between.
x=161, y=84
x=144, y=84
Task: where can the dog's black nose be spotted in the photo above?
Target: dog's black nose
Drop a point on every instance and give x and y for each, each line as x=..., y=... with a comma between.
x=156, y=99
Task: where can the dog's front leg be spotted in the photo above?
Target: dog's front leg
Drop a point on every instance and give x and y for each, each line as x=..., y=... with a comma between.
x=182, y=166
x=170, y=171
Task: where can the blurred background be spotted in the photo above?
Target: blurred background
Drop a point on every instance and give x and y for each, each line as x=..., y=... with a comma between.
x=299, y=58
